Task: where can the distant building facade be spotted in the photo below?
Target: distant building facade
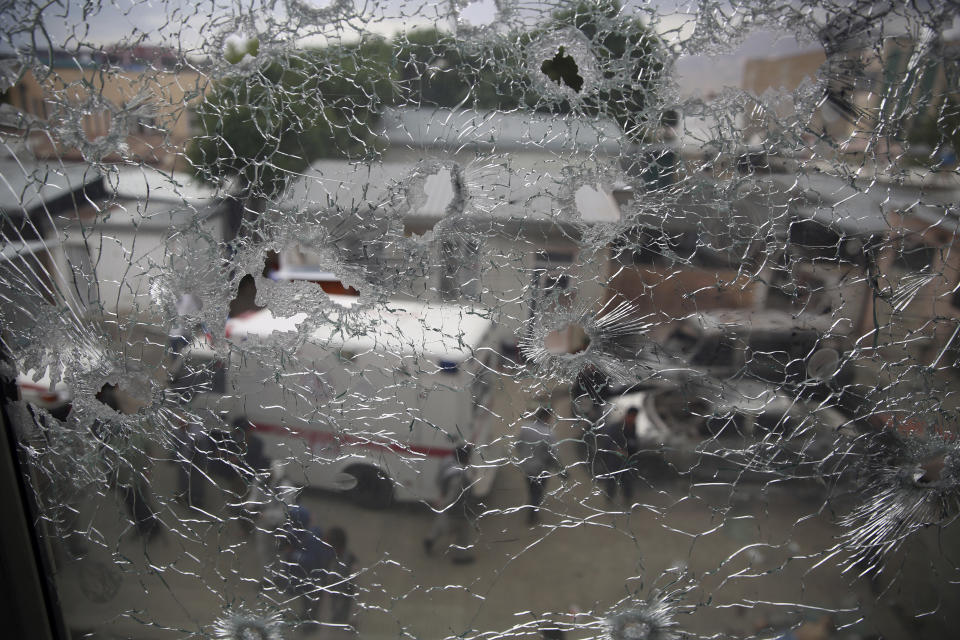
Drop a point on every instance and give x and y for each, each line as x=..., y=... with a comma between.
x=143, y=96
x=868, y=81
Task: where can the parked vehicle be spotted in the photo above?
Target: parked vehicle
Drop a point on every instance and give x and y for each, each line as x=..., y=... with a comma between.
x=719, y=438
x=55, y=399
x=385, y=404
x=767, y=346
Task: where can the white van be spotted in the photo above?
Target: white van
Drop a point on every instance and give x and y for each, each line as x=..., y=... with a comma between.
x=40, y=393
x=384, y=405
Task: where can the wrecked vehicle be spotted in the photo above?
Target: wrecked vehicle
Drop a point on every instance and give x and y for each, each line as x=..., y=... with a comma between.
x=680, y=433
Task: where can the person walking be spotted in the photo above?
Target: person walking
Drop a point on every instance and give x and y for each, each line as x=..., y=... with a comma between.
x=273, y=498
x=191, y=464
x=253, y=470
x=617, y=448
x=127, y=452
x=339, y=583
x=456, y=507
x=306, y=560
x=536, y=448
x=233, y=466
x=133, y=483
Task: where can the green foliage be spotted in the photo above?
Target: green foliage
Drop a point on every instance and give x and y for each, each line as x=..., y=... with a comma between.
x=267, y=125
x=236, y=52
x=563, y=70
x=435, y=71
x=624, y=46
x=275, y=116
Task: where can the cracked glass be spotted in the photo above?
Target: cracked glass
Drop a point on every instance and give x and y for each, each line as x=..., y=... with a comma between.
x=496, y=319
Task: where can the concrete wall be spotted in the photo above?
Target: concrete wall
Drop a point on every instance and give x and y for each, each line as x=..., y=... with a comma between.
x=169, y=96
x=671, y=293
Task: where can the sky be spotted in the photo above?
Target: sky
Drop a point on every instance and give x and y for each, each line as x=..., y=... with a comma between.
x=190, y=23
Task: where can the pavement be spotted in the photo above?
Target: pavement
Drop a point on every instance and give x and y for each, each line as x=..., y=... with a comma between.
x=743, y=555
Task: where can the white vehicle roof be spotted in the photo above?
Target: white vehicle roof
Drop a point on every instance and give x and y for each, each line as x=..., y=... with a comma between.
x=448, y=332
x=767, y=320
x=41, y=392
x=769, y=402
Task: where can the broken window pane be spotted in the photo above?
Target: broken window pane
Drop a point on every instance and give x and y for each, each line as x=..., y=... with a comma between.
x=493, y=319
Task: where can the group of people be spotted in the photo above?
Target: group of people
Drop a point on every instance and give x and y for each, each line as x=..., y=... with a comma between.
x=613, y=461
x=457, y=509
x=313, y=564
x=613, y=457
x=299, y=558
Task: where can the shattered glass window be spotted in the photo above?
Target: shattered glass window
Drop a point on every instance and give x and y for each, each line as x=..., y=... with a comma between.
x=493, y=319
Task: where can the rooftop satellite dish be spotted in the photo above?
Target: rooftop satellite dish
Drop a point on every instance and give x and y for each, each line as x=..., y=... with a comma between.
x=344, y=481
x=823, y=365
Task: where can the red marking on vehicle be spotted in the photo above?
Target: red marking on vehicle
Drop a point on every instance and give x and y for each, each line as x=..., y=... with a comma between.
x=47, y=396
x=336, y=288
x=33, y=387
x=313, y=436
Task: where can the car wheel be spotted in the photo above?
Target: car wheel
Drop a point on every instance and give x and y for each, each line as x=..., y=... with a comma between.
x=373, y=490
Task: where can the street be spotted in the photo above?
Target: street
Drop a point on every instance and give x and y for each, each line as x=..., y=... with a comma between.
x=740, y=549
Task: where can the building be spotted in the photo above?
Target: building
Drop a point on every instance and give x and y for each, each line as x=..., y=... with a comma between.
x=31, y=211
x=466, y=206
x=885, y=85
x=139, y=111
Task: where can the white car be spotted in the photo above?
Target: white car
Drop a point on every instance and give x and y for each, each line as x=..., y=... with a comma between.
x=725, y=436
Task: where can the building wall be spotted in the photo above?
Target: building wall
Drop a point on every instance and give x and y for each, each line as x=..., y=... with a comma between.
x=156, y=138
x=786, y=72
x=672, y=293
x=112, y=259
x=881, y=83
x=922, y=328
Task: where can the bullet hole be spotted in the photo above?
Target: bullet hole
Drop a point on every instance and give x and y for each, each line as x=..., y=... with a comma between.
x=638, y=630
x=246, y=297
x=237, y=47
x=569, y=339
x=109, y=395
x=440, y=186
x=96, y=135
x=588, y=199
x=563, y=70
x=931, y=470
x=296, y=263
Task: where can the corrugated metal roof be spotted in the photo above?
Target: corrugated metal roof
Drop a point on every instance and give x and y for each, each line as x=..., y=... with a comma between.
x=144, y=182
x=531, y=189
x=27, y=184
x=448, y=129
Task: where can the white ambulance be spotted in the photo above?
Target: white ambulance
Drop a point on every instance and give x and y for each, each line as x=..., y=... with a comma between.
x=374, y=410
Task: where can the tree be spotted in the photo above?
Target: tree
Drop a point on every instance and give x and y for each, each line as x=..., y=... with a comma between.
x=267, y=122
x=436, y=71
x=629, y=58
x=265, y=125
